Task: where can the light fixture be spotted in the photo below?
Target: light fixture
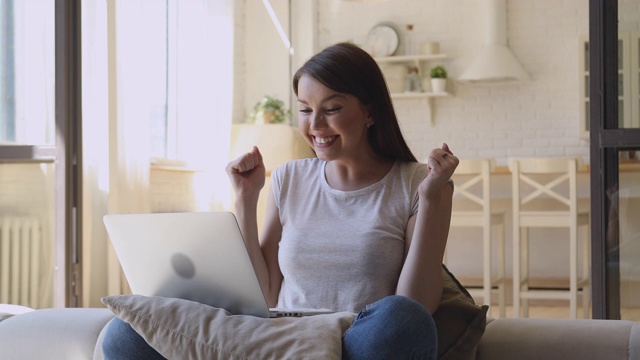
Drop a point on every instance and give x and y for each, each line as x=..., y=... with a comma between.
x=495, y=62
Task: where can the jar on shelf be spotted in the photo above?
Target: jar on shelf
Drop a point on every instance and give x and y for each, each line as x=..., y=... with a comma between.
x=413, y=81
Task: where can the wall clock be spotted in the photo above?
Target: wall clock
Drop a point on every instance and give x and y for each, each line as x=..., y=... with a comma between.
x=382, y=40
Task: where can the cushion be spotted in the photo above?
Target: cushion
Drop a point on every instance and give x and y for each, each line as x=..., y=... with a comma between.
x=14, y=309
x=4, y=316
x=183, y=329
x=9, y=310
x=459, y=321
x=180, y=328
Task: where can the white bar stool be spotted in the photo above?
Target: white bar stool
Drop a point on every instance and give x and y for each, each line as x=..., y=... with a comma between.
x=535, y=207
x=475, y=191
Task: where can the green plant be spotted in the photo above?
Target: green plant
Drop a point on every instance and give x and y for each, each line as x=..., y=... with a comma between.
x=269, y=110
x=438, y=72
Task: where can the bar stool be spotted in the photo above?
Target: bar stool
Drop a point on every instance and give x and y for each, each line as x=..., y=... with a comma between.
x=537, y=202
x=474, y=190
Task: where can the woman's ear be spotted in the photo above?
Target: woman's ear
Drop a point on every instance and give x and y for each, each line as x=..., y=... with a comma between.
x=369, y=113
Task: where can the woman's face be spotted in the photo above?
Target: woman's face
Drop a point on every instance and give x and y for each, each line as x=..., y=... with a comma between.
x=334, y=124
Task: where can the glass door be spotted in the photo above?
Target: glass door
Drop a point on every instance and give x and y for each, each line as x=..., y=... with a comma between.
x=27, y=152
x=615, y=161
x=35, y=83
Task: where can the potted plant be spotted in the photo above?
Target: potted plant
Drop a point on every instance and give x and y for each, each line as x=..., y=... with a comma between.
x=438, y=78
x=269, y=110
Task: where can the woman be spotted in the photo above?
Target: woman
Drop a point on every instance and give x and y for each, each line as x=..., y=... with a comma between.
x=359, y=224
x=360, y=228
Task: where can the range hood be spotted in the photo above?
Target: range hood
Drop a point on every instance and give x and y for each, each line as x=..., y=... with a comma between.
x=495, y=62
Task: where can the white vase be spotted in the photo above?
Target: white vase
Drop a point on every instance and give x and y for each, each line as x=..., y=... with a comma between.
x=438, y=85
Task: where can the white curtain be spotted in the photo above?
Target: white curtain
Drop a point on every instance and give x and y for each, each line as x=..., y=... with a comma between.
x=118, y=90
x=95, y=135
x=204, y=83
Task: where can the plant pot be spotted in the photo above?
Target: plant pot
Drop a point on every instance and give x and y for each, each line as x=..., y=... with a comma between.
x=265, y=117
x=268, y=117
x=438, y=85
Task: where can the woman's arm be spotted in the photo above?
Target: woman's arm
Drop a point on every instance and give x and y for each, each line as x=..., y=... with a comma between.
x=269, y=243
x=427, y=232
x=247, y=174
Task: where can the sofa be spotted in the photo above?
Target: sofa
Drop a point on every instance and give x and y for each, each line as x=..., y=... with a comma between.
x=76, y=333
x=183, y=329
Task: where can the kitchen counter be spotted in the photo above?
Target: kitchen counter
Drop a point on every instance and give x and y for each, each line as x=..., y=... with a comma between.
x=625, y=166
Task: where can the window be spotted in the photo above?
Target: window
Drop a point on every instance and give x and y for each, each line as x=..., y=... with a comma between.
x=27, y=72
x=156, y=54
x=175, y=83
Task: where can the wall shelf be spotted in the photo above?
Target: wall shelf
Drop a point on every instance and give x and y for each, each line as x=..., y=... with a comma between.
x=415, y=60
x=419, y=95
x=410, y=58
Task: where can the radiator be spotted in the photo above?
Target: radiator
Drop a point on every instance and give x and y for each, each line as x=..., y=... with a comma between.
x=20, y=260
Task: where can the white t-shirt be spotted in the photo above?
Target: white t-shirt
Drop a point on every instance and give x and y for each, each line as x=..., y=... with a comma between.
x=342, y=250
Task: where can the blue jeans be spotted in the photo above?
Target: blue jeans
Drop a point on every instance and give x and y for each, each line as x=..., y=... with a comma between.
x=394, y=327
x=122, y=342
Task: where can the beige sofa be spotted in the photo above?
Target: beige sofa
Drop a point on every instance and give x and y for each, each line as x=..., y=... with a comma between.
x=76, y=334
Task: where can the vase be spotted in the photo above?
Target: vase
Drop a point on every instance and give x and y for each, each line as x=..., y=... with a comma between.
x=438, y=85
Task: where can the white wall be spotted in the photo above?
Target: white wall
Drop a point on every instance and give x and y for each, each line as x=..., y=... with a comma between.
x=266, y=58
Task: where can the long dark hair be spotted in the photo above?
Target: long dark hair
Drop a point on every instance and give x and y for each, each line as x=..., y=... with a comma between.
x=348, y=69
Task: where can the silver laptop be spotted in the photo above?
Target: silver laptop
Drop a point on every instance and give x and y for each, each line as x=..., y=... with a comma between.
x=197, y=256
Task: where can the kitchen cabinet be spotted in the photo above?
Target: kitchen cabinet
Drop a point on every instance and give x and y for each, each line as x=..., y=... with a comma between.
x=420, y=62
x=628, y=82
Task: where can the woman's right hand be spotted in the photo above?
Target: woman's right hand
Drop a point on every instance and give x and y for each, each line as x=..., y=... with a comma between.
x=247, y=173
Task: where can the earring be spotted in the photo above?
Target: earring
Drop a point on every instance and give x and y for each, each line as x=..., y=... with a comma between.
x=371, y=123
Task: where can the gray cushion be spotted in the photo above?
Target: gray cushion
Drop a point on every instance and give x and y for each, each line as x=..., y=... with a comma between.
x=5, y=316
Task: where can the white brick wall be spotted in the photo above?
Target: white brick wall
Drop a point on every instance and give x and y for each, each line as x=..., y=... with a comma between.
x=535, y=118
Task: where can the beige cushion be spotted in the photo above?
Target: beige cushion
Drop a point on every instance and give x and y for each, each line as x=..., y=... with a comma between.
x=183, y=329
x=459, y=321
x=180, y=328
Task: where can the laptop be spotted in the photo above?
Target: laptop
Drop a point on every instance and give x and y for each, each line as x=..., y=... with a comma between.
x=198, y=256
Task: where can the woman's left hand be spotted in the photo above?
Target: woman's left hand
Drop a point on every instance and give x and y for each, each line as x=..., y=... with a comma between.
x=442, y=163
